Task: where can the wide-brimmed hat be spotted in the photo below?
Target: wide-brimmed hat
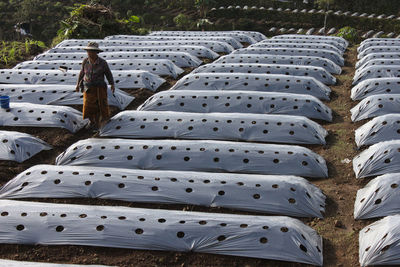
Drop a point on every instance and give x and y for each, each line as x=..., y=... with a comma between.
x=93, y=46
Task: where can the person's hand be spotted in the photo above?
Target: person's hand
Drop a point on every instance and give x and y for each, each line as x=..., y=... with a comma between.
x=77, y=89
x=113, y=88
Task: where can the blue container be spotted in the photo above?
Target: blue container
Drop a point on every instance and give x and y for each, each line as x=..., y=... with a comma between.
x=5, y=101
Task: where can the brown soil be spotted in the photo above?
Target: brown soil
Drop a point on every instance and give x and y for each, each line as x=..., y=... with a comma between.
x=340, y=243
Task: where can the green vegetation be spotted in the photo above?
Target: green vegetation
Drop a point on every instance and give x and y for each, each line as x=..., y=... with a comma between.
x=348, y=33
x=182, y=21
x=13, y=52
x=96, y=21
x=53, y=21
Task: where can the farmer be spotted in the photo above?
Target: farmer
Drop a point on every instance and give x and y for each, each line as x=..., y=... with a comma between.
x=94, y=88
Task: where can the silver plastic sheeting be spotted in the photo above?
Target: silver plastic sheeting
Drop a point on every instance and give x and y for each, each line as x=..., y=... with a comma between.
x=229, y=40
x=197, y=51
x=382, y=40
x=254, y=82
x=216, y=46
x=378, y=49
x=379, y=62
x=11, y=263
x=34, y=115
x=379, y=242
x=376, y=105
x=327, y=64
x=382, y=128
x=339, y=40
x=302, y=46
x=19, y=147
x=215, y=126
x=333, y=56
x=255, y=35
x=284, y=195
x=258, y=36
x=238, y=102
x=339, y=46
x=380, y=158
x=376, y=72
x=52, y=94
x=380, y=197
x=373, y=56
x=267, y=237
x=371, y=87
x=161, y=67
x=122, y=79
x=199, y=155
x=181, y=59
x=316, y=72
x=363, y=46
x=237, y=36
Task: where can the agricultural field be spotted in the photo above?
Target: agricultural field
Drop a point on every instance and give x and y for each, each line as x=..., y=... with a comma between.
x=233, y=142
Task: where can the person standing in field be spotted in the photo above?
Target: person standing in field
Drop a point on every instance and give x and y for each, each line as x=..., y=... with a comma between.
x=94, y=88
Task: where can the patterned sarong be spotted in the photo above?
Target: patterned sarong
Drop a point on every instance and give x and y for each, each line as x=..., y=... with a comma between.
x=95, y=105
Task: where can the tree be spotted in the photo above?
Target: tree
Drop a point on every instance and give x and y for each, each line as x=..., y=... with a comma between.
x=202, y=6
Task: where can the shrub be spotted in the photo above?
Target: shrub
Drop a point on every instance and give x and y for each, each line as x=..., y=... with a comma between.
x=348, y=33
x=182, y=21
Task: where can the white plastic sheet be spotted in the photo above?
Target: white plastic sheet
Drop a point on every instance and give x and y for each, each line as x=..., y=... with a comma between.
x=382, y=128
x=238, y=102
x=268, y=237
x=237, y=36
x=380, y=197
x=254, y=82
x=161, y=67
x=379, y=62
x=376, y=105
x=379, y=242
x=339, y=46
x=376, y=72
x=382, y=40
x=367, y=34
x=284, y=195
x=373, y=56
x=310, y=31
x=197, y=51
x=332, y=31
x=19, y=147
x=333, y=56
x=297, y=45
x=378, y=34
x=122, y=79
x=316, y=72
x=281, y=59
x=339, y=40
x=380, y=158
x=216, y=46
x=378, y=49
x=371, y=87
x=34, y=115
x=52, y=94
x=258, y=36
x=199, y=155
x=255, y=35
x=181, y=59
x=229, y=40
x=215, y=126
x=378, y=43
x=11, y=263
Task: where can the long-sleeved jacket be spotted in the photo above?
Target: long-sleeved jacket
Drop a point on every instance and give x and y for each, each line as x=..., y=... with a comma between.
x=92, y=75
